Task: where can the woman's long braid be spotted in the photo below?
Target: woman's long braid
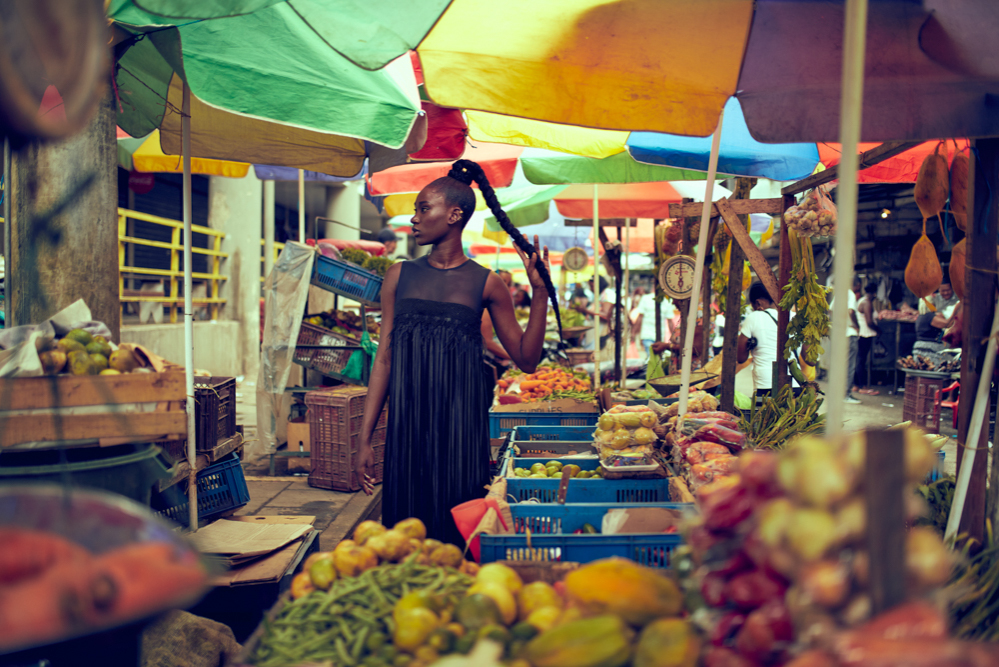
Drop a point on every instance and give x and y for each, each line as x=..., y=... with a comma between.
x=474, y=170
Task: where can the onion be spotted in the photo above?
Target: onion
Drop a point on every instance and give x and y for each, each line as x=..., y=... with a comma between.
x=919, y=456
x=862, y=568
x=810, y=533
x=772, y=521
x=851, y=521
x=927, y=561
x=857, y=611
x=826, y=583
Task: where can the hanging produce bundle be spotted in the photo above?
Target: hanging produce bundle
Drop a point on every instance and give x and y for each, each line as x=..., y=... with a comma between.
x=959, y=190
x=815, y=215
x=804, y=295
x=923, y=273
x=668, y=234
x=781, y=561
x=958, y=261
x=932, y=186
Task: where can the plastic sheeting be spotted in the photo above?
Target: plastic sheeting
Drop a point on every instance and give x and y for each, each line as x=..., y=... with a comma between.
x=286, y=292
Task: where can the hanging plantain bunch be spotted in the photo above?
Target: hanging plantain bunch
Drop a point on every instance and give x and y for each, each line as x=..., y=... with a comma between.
x=803, y=293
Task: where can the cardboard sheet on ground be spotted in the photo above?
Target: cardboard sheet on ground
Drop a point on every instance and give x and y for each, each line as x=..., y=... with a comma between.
x=240, y=541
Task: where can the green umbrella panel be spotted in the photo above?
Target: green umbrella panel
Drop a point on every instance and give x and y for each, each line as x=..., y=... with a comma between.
x=369, y=33
x=267, y=65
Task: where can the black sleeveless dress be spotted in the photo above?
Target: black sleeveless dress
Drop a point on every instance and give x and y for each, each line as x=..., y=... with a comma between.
x=437, y=443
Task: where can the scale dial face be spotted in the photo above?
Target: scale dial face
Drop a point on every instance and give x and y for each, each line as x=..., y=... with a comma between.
x=575, y=259
x=676, y=277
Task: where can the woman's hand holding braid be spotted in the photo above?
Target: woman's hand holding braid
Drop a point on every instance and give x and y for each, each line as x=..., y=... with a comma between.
x=533, y=276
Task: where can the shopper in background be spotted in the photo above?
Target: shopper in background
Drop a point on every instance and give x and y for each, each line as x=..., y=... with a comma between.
x=758, y=334
x=645, y=322
x=852, y=334
x=945, y=299
x=719, y=339
x=868, y=332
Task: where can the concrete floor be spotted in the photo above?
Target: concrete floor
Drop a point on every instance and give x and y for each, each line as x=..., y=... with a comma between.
x=336, y=513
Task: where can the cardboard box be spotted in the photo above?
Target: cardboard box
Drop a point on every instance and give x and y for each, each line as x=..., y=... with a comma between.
x=561, y=405
x=298, y=436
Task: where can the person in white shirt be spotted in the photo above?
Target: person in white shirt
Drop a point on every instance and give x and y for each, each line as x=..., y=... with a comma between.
x=719, y=339
x=645, y=322
x=852, y=334
x=868, y=332
x=760, y=326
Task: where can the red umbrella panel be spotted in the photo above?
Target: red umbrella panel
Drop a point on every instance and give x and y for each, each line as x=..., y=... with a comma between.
x=499, y=162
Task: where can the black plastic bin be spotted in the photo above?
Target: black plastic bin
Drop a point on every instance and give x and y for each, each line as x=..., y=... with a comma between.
x=130, y=470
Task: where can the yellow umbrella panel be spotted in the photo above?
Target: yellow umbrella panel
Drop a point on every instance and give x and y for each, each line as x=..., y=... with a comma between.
x=653, y=65
x=149, y=158
x=583, y=141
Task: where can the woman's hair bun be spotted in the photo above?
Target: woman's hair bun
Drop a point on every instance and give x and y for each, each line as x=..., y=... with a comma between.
x=460, y=172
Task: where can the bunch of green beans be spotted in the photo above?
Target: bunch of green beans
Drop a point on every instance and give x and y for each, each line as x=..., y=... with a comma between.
x=353, y=618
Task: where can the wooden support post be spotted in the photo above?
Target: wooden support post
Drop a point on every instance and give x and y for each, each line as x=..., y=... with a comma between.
x=884, y=485
x=983, y=228
x=783, y=277
x=708, y=319
x=733, y=309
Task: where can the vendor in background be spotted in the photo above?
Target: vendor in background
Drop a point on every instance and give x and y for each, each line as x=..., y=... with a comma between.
x=388, y=238
x=929, y=334
x=852, y=334
x=758, y=334
x=868, y=332
x=945, y=299
x=719, y=339
x=507, y=279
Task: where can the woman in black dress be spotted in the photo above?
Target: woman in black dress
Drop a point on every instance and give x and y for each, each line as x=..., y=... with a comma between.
x=430, y=359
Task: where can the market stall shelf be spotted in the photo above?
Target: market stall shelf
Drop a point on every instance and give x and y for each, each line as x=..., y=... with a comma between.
x=120, y=408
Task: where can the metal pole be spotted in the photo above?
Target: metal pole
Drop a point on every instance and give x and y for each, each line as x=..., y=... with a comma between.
x=851, y=107
x=268, y=227
x=596, y=285
x=301, y=206
x=686, y=359
x=192, y=456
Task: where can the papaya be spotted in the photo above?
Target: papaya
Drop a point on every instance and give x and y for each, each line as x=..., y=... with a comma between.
x=959, y=190
x=601, y=641
x=958, y=259
x=923, y=273
x=619, y=586
x=932, y=184
x=667, y=642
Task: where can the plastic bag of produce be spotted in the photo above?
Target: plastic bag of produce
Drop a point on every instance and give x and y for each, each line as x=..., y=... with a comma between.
x=712, y=432
x=689, y=424
x=815, y=215
x=626, y=426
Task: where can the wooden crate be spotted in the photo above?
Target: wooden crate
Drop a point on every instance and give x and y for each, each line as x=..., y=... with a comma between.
x=92, y=408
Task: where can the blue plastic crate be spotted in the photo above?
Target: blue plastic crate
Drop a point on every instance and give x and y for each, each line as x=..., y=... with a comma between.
x=501, y=423
x=937, y=471
x=347, y=279
x=221, y=487
x=572, y=433
x=590, y=490
x=551, y=538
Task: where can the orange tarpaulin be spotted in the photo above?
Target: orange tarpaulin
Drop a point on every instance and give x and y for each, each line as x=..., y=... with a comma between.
x=627, y=200
x=903, y=168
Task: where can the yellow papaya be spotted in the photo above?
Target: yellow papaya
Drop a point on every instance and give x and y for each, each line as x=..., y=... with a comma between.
x=619, y=586
x=667, y=642
x=601, y=641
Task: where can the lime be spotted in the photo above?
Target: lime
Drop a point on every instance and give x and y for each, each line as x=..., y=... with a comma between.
x=538, y=467
x=557, y=464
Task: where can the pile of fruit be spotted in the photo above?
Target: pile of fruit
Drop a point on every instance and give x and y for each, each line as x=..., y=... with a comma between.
x=624, y=436
x=548, y=383
x=345, y=323
x=80, y=353
x=377, y=265
x=785, y=539
x=554, y=469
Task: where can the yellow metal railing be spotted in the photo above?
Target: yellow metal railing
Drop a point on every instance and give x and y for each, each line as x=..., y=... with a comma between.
x=277, y=251
x=174, y=273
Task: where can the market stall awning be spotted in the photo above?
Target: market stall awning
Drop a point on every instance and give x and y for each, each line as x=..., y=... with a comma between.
x=631, y=200
x=903, y=168
x=144, y=154
x=572, y=139
x=499, y=162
